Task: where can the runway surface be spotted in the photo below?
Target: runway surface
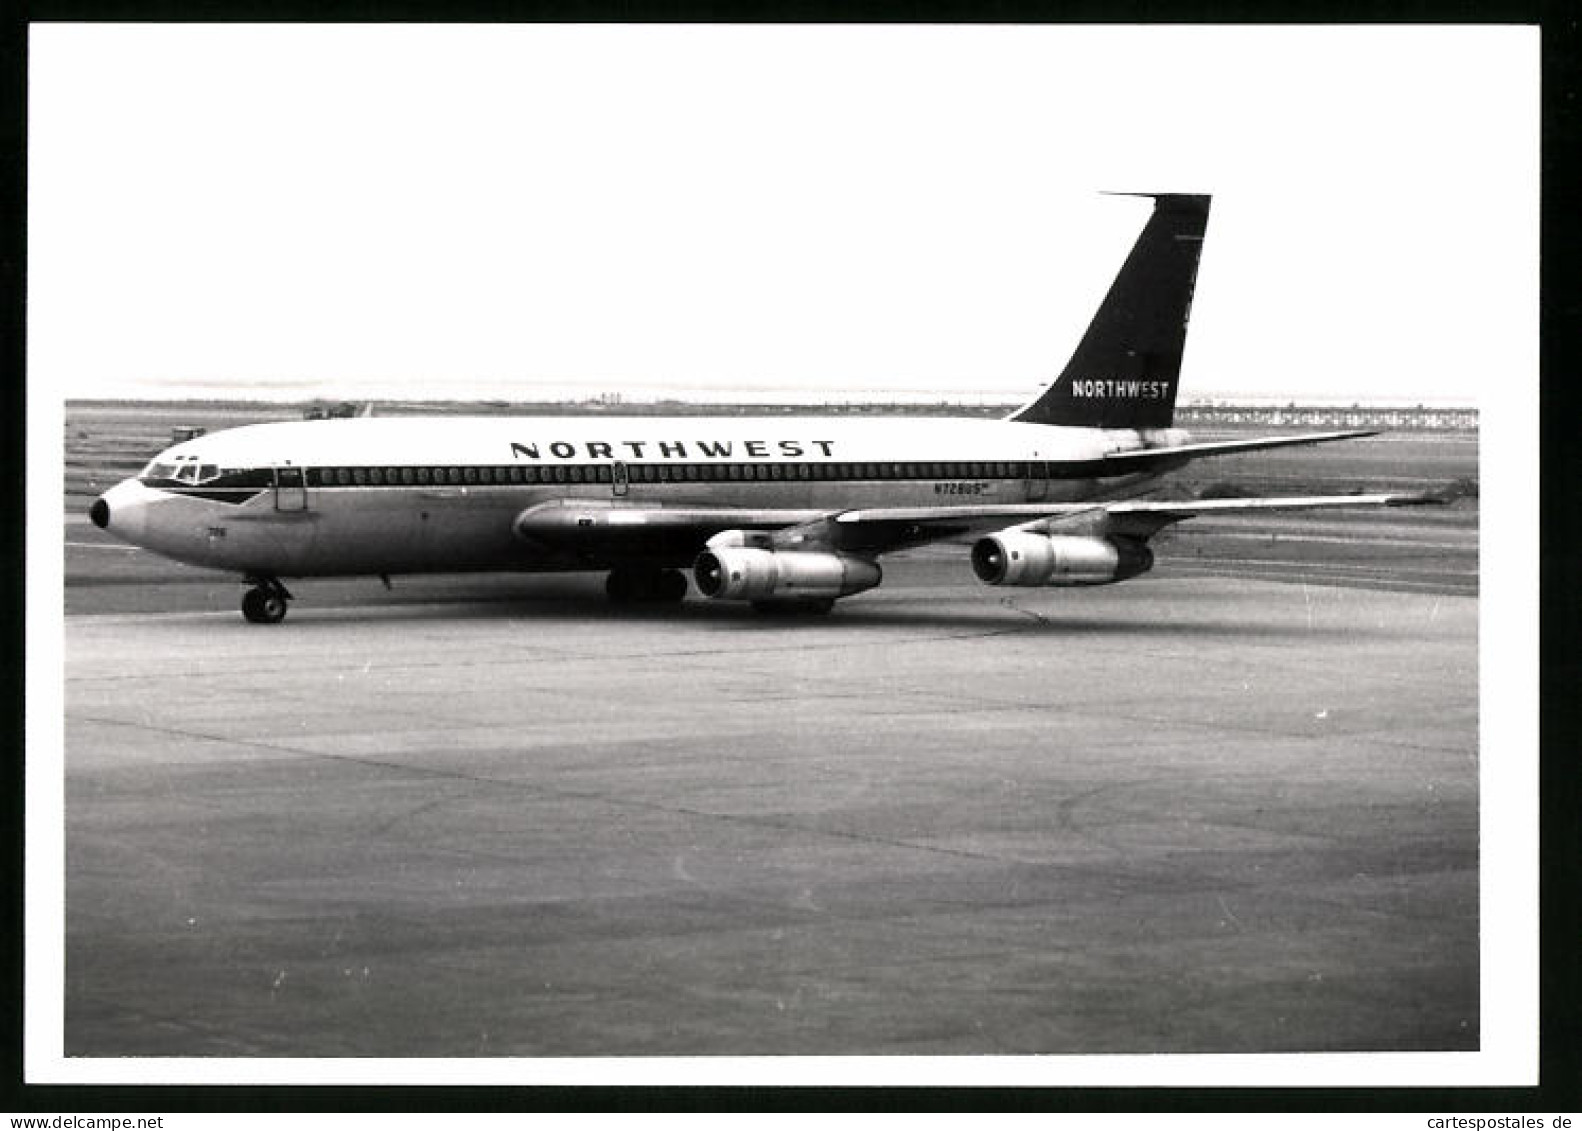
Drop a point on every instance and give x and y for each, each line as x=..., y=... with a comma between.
x=1202, y=811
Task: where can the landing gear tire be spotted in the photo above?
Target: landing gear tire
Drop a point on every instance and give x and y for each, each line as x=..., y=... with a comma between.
x=672, y=586
x=800, y=607
x=629, y=585
x=263, y=605
x=622, y=586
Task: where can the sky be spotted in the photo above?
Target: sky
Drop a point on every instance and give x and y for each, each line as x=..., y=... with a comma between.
x=769, y=213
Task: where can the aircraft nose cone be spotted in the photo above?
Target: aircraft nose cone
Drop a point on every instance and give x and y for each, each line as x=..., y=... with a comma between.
x=123, y=511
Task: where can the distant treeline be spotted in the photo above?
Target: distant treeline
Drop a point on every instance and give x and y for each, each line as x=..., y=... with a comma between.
x=1417, y=418
x=1412, y=418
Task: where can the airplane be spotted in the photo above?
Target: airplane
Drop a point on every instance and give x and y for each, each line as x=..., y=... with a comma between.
x=788, y=514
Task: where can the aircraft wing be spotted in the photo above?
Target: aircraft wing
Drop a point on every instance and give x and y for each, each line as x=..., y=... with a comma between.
x=871, y=528
x=601, y=528
x=598, y=530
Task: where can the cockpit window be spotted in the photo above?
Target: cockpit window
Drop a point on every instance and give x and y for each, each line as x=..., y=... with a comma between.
x=182, y=469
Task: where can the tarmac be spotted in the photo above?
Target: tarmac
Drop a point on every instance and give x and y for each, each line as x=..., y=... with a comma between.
x=1202, y=811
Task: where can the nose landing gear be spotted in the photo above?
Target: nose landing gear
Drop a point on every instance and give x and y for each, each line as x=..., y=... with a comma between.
x=265, y=602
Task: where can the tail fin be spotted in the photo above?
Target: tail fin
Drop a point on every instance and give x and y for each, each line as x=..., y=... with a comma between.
x=1125, y=370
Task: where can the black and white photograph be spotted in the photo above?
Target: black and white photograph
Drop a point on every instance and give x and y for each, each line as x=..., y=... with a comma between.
x=782, y=554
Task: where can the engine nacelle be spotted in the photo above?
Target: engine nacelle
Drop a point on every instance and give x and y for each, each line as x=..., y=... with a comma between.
x=746, y=573
x=1026, y=558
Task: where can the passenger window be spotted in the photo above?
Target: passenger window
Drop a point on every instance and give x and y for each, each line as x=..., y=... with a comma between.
x=776, y=471
x=516, y=475
x=422, y=475
x=376, y=476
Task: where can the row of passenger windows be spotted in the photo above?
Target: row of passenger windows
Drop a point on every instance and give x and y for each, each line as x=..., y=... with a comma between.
x=658, y=473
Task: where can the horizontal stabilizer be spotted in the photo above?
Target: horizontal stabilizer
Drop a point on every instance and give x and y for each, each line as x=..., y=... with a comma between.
x=1228, y=447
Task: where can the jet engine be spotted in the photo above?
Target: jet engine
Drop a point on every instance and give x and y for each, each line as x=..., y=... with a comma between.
x=1028, y=558
x=749, y=573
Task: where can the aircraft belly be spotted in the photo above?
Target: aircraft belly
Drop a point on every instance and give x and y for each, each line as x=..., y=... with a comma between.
x=413, y=532
x=365, y=532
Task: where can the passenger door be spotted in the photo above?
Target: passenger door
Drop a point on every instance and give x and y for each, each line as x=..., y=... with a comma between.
x=1037, y=481
x=291, y=489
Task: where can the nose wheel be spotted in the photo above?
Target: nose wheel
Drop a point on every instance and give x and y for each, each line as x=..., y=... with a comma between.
x=265, y=602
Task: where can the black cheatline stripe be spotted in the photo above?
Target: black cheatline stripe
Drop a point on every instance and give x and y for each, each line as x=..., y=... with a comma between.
x=233, y=495
x=557, y=475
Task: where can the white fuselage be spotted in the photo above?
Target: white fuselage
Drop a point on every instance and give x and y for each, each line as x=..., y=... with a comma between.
x=440, y=494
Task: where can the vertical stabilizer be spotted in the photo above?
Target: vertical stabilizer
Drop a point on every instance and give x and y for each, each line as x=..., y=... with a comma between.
x=1125, y=371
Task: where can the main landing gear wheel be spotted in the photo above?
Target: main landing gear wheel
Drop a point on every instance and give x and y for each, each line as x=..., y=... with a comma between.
x=265, y=602
x=630, y=585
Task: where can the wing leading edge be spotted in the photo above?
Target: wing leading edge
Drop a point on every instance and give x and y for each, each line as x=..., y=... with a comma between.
x=1140, y=518
x=681, y=531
